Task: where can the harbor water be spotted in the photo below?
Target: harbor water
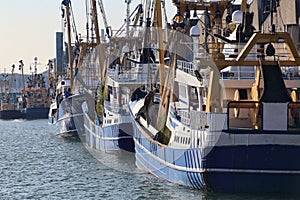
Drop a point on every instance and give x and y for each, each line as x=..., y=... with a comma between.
x=36, y=165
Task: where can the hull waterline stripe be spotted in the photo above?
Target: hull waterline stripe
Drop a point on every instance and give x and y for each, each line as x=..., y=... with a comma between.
x=67, y=117
x=106, y=138
x=197, y=170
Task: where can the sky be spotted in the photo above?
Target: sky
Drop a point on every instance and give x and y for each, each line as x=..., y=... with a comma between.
x=28, y=27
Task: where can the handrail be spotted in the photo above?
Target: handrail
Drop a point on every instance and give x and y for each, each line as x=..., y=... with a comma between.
x=137, y=72
x=255, y=115
x=240, y=72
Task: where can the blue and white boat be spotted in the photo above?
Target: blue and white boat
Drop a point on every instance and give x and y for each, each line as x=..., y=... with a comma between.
x=9, y=107
x=107, y=124
x=200, y=137
x=64, y=111
x=36, y=96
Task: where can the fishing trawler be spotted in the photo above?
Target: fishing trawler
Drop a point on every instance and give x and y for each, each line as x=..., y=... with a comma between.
x=197, y=135
x=65, y=107
x=107, y=123
x=35, y=95
x=9, y=104
x=62, y=112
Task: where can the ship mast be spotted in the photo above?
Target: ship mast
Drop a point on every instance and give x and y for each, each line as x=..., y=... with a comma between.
x=66, y=3
x=127, y=17
x=95, y=16
x=11, y=78
x=21, y=66
x=5, y=82
x=160, y=45
x=165, y=90
x=98, y=41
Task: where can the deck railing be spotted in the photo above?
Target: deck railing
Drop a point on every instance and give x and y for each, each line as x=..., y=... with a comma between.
x=181, y=114
x=248, y=115
x=129, y=73
x=241, y=115
x=186, y=66
x=116, y=108
x=241, y=72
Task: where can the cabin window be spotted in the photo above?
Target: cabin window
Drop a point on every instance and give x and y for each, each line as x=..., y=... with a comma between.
x=203, y=92
x=194, y=94
x=53, y=112
x=123, y=99
x=115, y=93
x=243, y=94
x=182, y=91
x=110, y=91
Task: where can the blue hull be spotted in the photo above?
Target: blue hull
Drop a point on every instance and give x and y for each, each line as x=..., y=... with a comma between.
x=254, y=168
x=36, y=113
x=63, y=123
x=114, y=138
x=11, y=114
x=230, y=169
x=173, y=165
x=64, y=127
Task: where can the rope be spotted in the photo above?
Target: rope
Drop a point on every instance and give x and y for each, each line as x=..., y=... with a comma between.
x=74, y=24
x=120, y=30
x=87, y=19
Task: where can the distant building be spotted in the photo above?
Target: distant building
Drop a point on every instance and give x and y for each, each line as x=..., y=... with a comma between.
x=59, y=64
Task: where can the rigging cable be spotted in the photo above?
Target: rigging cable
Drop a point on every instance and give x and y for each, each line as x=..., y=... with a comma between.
x=165, y=11
x=87, y=20
x=63, y=20
x=108, y=32
x=74, y=24
x=120, y=30
x=147, y=8
x=152, y=9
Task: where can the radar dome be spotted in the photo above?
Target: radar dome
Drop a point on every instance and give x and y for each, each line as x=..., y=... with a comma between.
x=195, y=31
x=125, y=49
x=237, y=17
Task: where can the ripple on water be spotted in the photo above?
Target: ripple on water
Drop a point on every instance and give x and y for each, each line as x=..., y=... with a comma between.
x=37, y=165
